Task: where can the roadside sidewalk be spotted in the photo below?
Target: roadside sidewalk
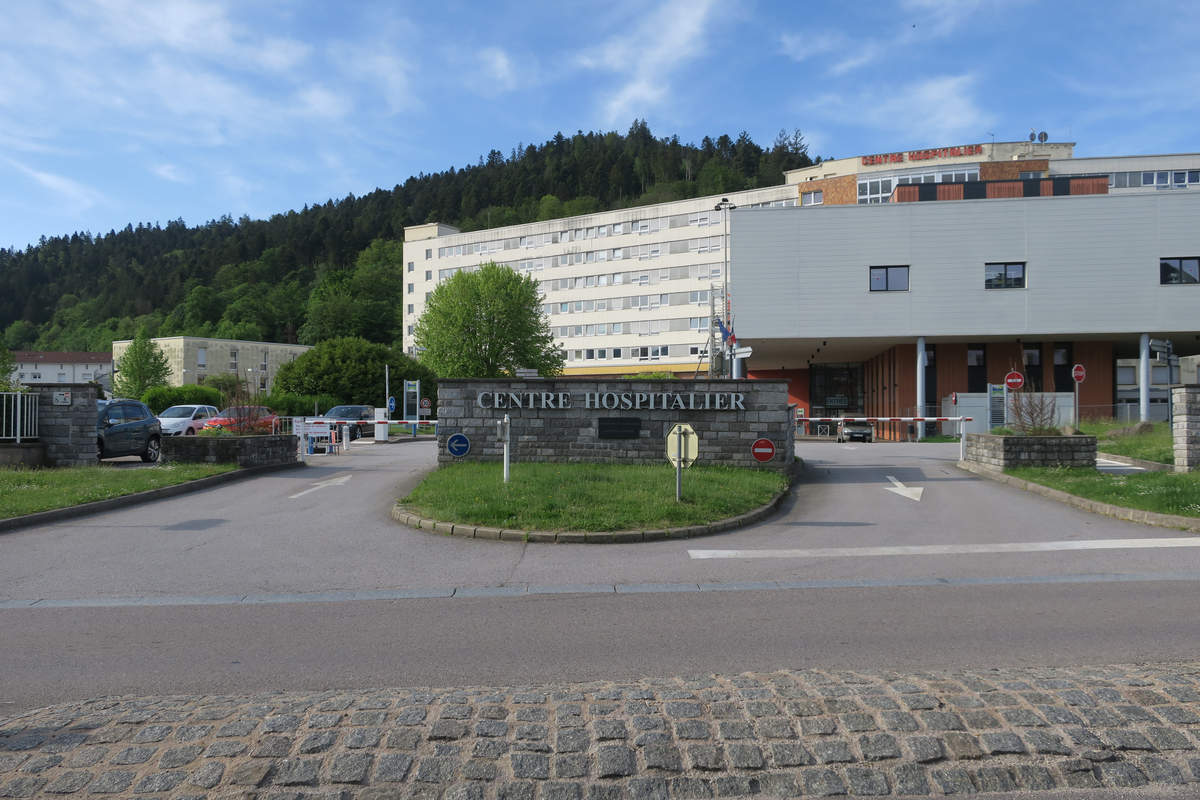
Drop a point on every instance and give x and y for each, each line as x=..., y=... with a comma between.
x=781, y=734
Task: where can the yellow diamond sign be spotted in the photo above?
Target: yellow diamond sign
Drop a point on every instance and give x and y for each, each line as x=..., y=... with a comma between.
x=682, y=444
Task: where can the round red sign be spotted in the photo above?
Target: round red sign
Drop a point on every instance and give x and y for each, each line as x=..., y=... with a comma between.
x=1078, y=373
x=1014, y=380
x=425, y=403
x=763, y=449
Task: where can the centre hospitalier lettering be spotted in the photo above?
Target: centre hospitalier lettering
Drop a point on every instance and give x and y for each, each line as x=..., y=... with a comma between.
x=622, y=401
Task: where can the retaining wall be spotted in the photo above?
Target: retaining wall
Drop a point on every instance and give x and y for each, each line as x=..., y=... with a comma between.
x=572, y=419
x=1001, y=452
x=245, y=451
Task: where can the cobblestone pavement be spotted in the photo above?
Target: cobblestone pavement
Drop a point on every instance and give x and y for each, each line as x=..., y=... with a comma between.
x=783, y=734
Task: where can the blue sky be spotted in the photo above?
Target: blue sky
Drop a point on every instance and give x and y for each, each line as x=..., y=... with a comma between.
x=119, y=111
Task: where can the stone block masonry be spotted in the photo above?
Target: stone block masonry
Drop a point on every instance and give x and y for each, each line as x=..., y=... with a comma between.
x=615, y=420
x=245, y=451
x=67, y=429
x=1185, y=429
x=1002, y=452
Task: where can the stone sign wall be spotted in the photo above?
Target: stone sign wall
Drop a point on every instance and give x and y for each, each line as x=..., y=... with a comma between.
x=1002, y=452
x=615, y=420
x=67, y=423
x=1185, y=428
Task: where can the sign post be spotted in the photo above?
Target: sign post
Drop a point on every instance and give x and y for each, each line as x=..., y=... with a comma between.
x=1078, y=373
x=683, y=445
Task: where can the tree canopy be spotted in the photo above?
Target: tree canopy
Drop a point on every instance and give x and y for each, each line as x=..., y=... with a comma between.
x=351, y=368
x=8, y=381
x=487, y=324
x=142, y=367
x=326, y=271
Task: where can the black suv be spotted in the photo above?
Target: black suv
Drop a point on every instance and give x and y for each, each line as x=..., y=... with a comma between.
x=127, y=428
x=360, y=418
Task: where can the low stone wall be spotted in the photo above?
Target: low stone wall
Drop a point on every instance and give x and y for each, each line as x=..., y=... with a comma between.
x=245, y=451
x=1185, y=428
x=1001, y=452
x=616, y=420
x=25, y=454
x=67, y=423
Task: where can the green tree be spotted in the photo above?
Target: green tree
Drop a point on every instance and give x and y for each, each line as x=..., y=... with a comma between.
x=351, y=369
x=8, y=380
x=142, y=367
x=487, y=324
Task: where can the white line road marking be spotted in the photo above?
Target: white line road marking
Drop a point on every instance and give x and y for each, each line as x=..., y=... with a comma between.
x=899, y=488
x=1109, y=463
x=953, y=549
x=337, y=480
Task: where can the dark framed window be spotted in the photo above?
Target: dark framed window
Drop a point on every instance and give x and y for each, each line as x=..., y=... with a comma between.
x=1178, y=270
x=976, y=368
x=1031, y=355
x=889, y=279
x=1004, y=276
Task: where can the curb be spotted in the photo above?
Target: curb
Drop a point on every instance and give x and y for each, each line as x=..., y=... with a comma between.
x=400, y=514
x=1190, y=524
x=1152, y=466
x=82, y=510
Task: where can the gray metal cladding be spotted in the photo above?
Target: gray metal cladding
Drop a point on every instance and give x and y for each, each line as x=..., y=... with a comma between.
x=1092, y=266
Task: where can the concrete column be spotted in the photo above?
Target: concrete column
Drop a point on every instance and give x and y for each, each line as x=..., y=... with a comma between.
x=1185, y=427
x=920, y=386
x=1144, y=379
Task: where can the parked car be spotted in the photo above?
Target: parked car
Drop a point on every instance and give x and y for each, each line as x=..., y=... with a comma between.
x=849, y=430
x=359, y=418
x=127, y=428
x=185, y=420
x=244, y=419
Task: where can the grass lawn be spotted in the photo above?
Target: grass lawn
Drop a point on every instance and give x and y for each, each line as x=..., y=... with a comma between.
x=24, y=491
x=590, y=497
x=406, y=430
x=1164, y=492
x=1153, y=446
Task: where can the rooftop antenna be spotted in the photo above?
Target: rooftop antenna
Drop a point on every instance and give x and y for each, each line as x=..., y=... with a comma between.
x=993, y=135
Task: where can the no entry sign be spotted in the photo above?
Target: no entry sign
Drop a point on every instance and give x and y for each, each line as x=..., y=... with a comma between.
x=1078, y=373
x=1014, y=380
x=763, y=449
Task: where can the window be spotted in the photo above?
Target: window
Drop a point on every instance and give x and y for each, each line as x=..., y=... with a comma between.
x=1004, y=276
x=976, y=368
x=889, y=279
x=411, y=266
x=1179, y=270
x=874, y=191
x=1025, y=176
x=428, y=253
x=428, y=274
x=410, y=308
x=812, y=198
x=1032, y=356
x=410, y=288
x=202, y=357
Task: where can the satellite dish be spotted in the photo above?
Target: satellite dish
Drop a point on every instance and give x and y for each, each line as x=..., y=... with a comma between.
x=1032, y=136
x=1042, y=137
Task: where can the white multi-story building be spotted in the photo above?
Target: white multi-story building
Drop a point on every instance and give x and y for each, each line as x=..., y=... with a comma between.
x=625, y=291
x=36, y=367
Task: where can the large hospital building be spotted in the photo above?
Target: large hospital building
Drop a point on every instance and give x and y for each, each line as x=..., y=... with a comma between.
x=879, y=285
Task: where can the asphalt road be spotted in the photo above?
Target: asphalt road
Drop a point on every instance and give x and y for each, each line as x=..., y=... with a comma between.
x=299, y=580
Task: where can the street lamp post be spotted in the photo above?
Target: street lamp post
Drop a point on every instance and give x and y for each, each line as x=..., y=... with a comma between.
x=725, y=207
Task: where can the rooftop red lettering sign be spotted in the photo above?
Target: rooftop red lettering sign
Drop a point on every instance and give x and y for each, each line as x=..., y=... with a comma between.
x=923, y=155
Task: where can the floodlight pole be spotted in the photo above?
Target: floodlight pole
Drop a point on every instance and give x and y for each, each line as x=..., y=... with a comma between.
x=725, y=207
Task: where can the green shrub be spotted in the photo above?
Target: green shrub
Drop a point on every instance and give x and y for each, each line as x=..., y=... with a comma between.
x=290, y=404
x=163, y=397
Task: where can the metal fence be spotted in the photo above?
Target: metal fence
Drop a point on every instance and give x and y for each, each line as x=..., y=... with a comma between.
x=18, y=417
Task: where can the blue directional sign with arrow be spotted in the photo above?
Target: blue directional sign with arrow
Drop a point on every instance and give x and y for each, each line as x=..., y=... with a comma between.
x=392, y=404
x=458, y=445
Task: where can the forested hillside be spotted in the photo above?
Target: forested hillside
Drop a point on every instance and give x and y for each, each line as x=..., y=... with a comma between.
x=334, y=269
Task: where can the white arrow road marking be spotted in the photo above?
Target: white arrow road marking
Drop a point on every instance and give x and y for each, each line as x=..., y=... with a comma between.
x=1104, y=462
x=953, y=549
x=337, y=480
x=899, y=488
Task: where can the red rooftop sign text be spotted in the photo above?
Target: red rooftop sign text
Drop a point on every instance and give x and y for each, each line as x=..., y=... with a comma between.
x=923, y=155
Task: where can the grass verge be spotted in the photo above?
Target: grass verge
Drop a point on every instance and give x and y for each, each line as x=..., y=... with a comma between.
x=1157, y=445
x=26, y=491
x=590, y=497
x=1162, y=492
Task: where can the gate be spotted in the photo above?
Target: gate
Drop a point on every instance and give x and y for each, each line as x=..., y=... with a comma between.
x=18, y=417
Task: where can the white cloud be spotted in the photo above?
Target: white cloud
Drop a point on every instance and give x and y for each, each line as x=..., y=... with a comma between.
x=643, y=60
x=169, y=172
x=929, y=111
x=498, y=68
x=73, y=194
x=320, y=101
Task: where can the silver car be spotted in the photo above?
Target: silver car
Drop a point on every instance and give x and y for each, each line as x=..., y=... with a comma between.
x=185, y=420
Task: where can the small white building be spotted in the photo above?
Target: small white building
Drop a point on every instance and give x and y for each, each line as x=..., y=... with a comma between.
x=38, y=367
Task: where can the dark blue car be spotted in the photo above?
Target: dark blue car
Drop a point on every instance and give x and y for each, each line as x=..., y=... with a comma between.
x=127, y=428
